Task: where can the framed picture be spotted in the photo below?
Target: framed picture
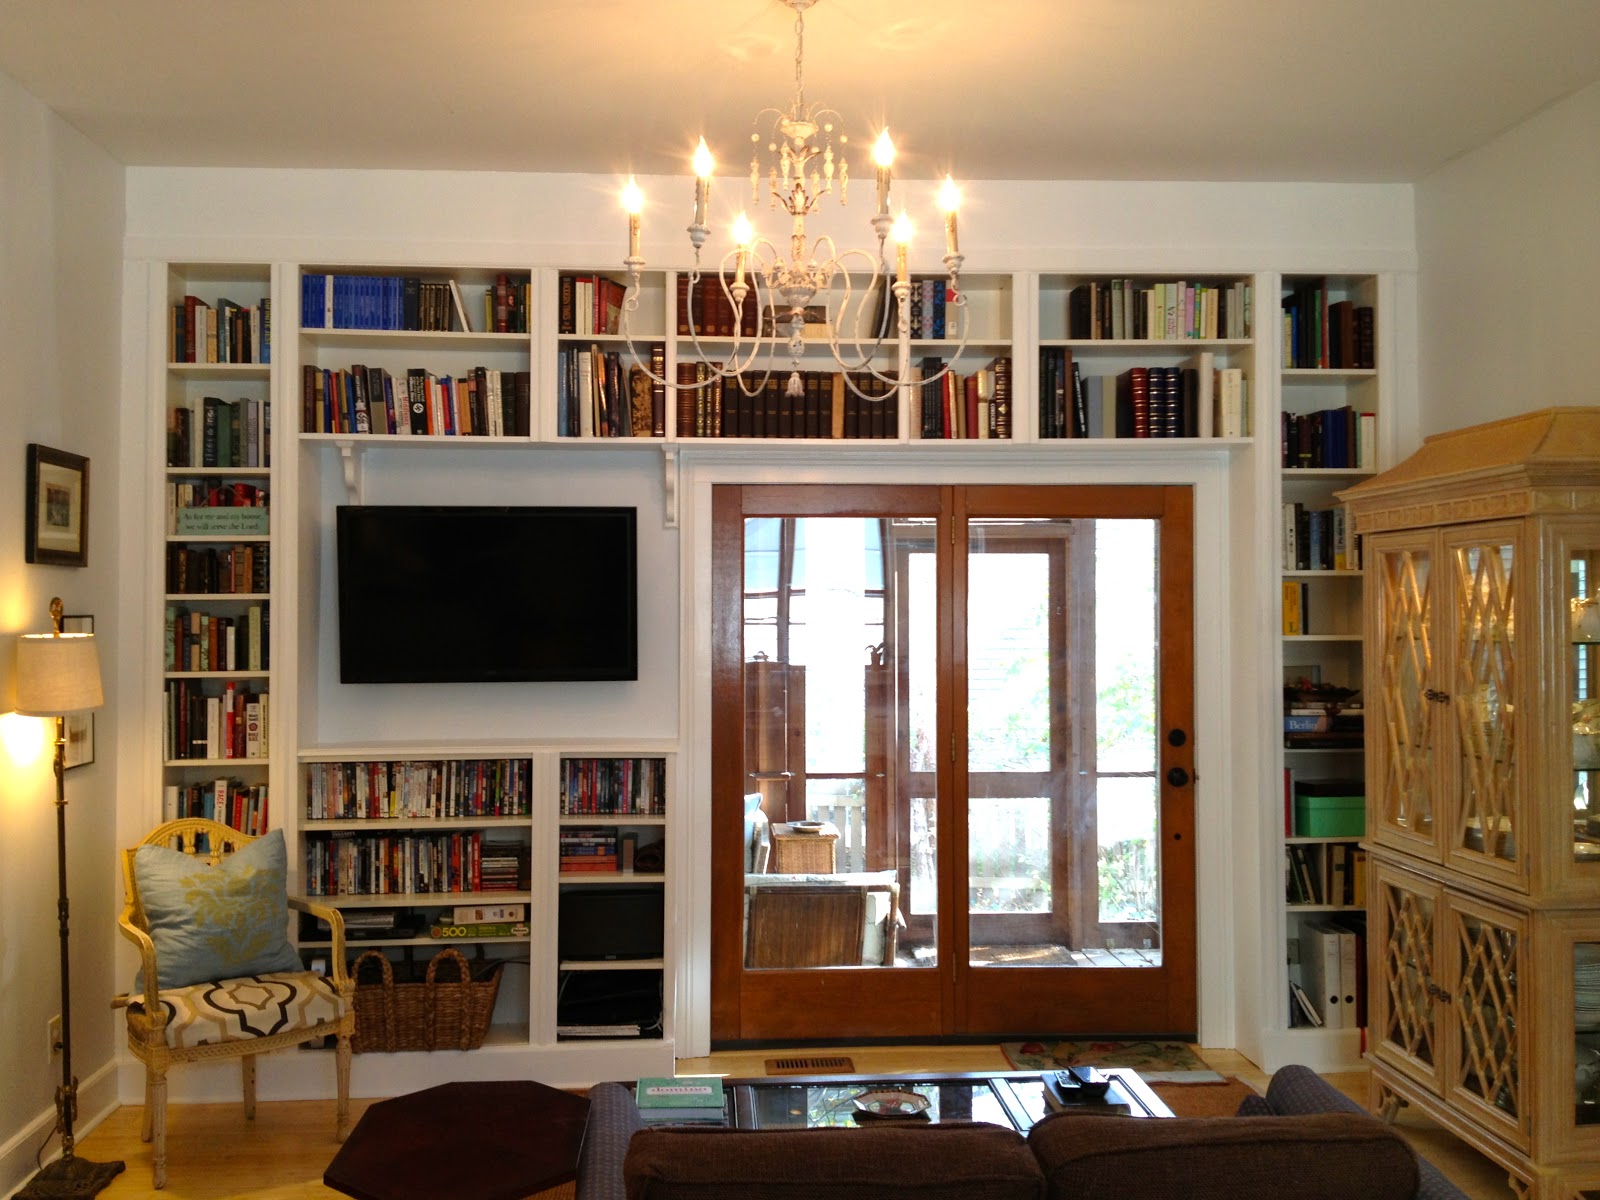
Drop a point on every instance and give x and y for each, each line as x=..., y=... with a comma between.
x=57, y=507
x=80, y=726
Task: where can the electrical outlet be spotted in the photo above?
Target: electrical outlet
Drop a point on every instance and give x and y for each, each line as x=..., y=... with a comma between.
x=53, y=1033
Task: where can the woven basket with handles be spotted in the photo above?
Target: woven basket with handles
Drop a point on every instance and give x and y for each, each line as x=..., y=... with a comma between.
x=434, y=1014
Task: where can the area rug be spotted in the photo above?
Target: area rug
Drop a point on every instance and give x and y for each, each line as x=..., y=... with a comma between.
x=1172, y=1062
x=1202, y=1098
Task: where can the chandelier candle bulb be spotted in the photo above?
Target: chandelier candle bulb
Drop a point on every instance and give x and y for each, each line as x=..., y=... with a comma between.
x=741, y=236
x=632, y=203
x=883, y=156
x=703, y=166
x=950, y=201
x=902, y=239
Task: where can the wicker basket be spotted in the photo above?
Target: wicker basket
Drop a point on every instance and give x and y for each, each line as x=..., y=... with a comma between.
x=434, y=1014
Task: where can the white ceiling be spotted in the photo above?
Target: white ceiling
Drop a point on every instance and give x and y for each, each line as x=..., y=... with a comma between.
x=1337, y=90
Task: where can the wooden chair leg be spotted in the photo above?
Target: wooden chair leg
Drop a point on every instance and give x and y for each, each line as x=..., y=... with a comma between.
x=247, y=1067
x=342, y=1072
x=147, y=1124
x=156, y=1117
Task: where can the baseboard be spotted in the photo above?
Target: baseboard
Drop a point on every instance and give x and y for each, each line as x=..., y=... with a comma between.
x=1323, y=1050
x=97, y=1099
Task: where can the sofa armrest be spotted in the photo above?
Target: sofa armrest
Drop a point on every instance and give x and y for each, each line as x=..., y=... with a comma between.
x=613, y=1120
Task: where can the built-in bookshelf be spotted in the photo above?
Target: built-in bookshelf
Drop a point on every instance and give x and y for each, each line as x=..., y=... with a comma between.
x=1328, y=417
x=215, y=553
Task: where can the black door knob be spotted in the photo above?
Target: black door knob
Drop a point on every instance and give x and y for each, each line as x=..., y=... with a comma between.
x=1177, y=777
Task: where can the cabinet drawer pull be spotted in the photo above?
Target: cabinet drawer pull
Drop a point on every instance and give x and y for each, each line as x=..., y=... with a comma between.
x=1436, y=696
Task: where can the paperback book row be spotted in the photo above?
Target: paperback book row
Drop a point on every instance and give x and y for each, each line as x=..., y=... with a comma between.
x=1128, y=309
x=1331, y=991
x=1203, y=400
x=956, y=405
x=194, y=640
x=239, y=569
x=597, y=850
x=1319, y=539
x=221, y=509
x=232, y=433
x=349, y=864
x=829, y=405
x=1320, y=333
x=410, y=303
x=198, y=332
x=1336, y=438
x=601, y=394
x=231, y=801
x=437, y=788
x=484, y=402
x=212, y=724
x=613, y=786
x=1325, y=873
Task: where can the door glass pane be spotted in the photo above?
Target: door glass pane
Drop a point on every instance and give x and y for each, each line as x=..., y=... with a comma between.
x=1061, y=704
x=1584, y=665
x=825, y=709
x=1405, y=661
x=1483, y=693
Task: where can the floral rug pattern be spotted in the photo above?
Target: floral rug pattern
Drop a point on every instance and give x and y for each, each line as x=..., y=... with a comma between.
x=1169, y=1062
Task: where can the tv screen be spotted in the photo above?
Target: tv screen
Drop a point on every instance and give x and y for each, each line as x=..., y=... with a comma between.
x=481, y=593
x=610, y=923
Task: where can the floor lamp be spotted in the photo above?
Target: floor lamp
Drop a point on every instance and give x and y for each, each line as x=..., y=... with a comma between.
x=58, y=675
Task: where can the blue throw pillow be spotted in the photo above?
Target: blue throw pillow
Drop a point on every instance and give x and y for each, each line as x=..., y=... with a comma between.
x=218, y=922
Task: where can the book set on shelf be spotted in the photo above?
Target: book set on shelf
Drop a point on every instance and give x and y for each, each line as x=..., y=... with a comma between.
x=975, y=404
x=588, y=304
x=227, y=332
x=1325, y=717
x=231, y=801
x=403, y=303
x=236, y=509
x=1118, y=309
x=1318, y=539
x=1331, y=991
x=480, y=402
x=198, y=641
x=1203, y=400
x=602, y=393
x=1326, y=874
x=1320, y=333
x=412, y=862
x=616, y=786
x=232, y=433
x=705, y=310
x=1330, y=438
x=201, y=724
x=597, y=850
x=238, y=569
x=418, y=789
x=829, y=406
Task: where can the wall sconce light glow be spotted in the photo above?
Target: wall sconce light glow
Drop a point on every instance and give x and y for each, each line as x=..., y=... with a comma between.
x=25, y=738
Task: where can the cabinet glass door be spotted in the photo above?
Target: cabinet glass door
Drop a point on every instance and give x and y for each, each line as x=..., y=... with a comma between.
x=1487, y=952
x=1404, y=1005
x=1403, y=807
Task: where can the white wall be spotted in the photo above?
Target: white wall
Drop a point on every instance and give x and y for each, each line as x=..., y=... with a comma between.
x=61, y=204
x=1508, y=243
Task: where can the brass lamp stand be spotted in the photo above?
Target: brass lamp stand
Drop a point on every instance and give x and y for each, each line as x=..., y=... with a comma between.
x=58, y=675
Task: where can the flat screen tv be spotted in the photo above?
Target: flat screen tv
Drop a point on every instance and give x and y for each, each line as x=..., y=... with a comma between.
x=486, y=593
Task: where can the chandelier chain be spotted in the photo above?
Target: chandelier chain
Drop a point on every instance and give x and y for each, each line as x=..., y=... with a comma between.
x=799, y=62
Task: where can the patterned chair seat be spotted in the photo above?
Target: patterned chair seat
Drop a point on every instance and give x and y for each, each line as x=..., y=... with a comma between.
x=252, y=1006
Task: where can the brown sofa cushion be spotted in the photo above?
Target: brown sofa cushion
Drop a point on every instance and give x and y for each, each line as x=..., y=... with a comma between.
x=1325, y=1156
x=948, y=1161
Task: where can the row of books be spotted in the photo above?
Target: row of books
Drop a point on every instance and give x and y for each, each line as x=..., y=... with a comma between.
x=385, y=302
x=1203, y=400
x=198, y=332
x=1331, y=991
x=194, y=640
x=804, y=404
x=242, y=569
x=1326, y=334
x=1325, y=873
x=588, y=304
x=232, y=433
x=236, y=509
x=622, y=786
x=421, y=788
x=596, y=850
x=1319, y=539
x=484, y=402
x=1125, y=308
x=928, y=301
x=1329, y=438
x=198, y=722
x=956, y=405
x=231, y=801
x=599, y=394
x=1334, y=727
x=391, y=864
x=705, y=310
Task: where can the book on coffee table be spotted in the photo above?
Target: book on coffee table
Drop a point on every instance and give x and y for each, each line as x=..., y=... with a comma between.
x=664, y=1099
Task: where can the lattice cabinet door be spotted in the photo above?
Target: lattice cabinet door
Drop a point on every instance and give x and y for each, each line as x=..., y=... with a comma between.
x=1483, y=950
x=1403, y=1006
x=1401, y=683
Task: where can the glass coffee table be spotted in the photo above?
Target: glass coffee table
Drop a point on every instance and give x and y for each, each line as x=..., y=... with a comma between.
x=1015, y=1099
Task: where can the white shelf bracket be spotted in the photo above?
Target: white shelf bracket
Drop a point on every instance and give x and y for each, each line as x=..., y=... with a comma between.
x=669, y=482
x=351, y=461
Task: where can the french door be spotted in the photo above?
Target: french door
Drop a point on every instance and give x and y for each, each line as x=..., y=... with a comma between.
x=951, y=762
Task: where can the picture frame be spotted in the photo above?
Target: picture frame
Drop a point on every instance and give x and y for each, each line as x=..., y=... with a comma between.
x=57, y=508
x=79, y=726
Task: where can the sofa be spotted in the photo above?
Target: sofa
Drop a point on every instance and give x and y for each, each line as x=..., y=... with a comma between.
x=1303, y=1140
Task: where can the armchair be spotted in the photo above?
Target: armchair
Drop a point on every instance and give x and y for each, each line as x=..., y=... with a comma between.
x=208, y=910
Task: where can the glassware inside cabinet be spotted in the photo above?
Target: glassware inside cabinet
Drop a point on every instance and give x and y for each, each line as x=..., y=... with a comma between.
x=1584, y=604
x=1486, y=725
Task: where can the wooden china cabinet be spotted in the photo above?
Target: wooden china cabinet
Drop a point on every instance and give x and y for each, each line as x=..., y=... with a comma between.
x=1482, y=557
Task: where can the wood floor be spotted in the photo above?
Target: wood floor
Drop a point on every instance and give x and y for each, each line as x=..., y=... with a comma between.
x=213, y=1153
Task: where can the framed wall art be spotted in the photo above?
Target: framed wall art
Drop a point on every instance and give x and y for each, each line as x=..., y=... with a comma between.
x=57, y=507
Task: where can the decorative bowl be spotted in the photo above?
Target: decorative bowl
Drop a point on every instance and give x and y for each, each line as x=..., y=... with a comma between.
x=892, y=1102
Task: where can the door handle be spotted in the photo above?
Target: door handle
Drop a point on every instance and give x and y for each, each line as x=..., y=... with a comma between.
x=1177, y=776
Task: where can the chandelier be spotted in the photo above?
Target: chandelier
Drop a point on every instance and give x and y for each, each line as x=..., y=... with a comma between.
x=798, y=161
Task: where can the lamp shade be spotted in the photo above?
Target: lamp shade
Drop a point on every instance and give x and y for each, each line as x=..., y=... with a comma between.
x=57, y=674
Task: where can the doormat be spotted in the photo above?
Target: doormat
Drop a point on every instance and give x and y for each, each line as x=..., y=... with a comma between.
x=1173, y=1062
x=816, y=1065
x=1220, y=1098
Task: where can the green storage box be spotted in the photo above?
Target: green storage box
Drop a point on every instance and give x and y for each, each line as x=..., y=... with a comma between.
x=1321, y=810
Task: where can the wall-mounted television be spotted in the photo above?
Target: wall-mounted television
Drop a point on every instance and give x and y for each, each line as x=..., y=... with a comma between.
x=486, y=593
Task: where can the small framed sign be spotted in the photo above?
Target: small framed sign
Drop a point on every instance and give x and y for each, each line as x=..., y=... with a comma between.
x=57, y=508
